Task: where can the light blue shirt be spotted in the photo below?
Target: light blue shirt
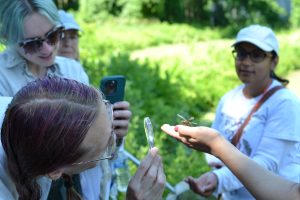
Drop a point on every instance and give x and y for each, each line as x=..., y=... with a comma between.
x=4, y=101
x=15, y=74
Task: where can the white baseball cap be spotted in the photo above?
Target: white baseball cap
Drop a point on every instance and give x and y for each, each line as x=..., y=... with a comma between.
x=68, y=20
x=260, y=36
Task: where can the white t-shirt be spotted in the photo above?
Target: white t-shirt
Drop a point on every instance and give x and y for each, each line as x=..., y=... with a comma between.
x=271, y=137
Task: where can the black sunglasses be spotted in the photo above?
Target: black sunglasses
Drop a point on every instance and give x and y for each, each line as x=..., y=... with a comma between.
x=33, y=45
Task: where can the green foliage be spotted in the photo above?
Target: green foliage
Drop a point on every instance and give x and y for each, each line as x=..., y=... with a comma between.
x=174, y=11
x=2, y=47
x=95, y=9
x=221, y=13
x=67, y=4
x=170, y=69
x=295, y=18
x=131, y=8
x=245, y=12
x=153, y=8
x=147, y=88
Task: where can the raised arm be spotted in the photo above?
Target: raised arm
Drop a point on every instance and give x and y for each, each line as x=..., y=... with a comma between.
x=260, y=182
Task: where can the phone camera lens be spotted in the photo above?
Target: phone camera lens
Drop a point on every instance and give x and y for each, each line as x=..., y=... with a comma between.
x=110, y=87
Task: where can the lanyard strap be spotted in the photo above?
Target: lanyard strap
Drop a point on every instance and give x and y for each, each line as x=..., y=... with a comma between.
x=236, y=138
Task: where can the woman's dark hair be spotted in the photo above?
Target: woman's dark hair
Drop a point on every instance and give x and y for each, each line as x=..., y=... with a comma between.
x=43, y=128
x=285, y=82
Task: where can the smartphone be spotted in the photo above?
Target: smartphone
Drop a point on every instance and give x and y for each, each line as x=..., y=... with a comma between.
x=113, y=87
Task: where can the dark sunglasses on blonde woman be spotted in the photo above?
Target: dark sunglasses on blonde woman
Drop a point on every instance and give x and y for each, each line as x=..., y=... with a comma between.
x=33, y=45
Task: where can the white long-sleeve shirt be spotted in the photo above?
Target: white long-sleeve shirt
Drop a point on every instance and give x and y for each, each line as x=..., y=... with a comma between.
x=271, y=138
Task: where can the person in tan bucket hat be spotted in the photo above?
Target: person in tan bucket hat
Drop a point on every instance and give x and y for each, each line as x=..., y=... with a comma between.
x=69, y=45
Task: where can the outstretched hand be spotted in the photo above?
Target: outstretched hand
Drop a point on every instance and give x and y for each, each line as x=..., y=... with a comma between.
x=204, y=185
x=200, y=138
x=148, y=183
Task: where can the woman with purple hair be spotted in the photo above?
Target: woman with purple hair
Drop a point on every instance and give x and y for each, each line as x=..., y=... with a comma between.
x=31, y=30
x=56, y=127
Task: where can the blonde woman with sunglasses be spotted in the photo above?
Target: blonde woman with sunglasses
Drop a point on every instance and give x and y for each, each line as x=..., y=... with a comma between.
x=32, y=31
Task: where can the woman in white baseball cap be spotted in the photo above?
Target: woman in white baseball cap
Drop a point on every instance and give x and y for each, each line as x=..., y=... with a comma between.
x=260, y=117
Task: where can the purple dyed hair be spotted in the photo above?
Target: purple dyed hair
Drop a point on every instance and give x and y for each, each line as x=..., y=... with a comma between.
x=43, y=127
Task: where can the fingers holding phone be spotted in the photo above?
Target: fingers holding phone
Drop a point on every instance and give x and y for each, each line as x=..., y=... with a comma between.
x=122, y=115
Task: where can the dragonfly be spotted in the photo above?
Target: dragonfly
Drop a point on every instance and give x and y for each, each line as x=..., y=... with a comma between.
x=187, y=122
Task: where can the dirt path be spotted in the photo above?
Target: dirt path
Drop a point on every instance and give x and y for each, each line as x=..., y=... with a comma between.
x=294, y=84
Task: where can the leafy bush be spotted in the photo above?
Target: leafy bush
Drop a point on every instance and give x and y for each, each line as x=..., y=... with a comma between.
x=295, y=16
x=206, y=12
x=170, y=69
x=147, y=88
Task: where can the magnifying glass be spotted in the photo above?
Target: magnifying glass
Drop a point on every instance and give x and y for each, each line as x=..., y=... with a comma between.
x=149, y=132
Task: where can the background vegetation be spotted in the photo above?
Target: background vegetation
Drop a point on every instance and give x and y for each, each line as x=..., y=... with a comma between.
x=176, y=56
x=171, y=68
